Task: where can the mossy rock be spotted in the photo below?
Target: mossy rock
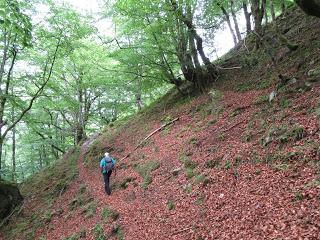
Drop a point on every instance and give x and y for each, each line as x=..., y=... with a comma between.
x=10, y=197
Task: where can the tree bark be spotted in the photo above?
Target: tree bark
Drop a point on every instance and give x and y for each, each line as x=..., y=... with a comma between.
x=258, y=10
x=247, y=16
x=13, y=145
x=234, y=17
x=226, y=15
x=283, y=6
x=212, y=71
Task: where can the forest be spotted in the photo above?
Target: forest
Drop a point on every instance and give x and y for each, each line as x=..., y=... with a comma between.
x=67, y=83
x=62, y=80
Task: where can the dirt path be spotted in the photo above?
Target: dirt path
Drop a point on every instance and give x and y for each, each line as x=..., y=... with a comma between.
x=252, y=201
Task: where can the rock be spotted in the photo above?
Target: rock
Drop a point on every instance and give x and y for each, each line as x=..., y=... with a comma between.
x=292, y=81
x=314, y=72
x=272, y=96
x=267, y=140
x=10, y=197
x=176, y=171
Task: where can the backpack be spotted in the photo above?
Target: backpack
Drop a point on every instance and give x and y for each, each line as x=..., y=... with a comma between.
x=108, y=164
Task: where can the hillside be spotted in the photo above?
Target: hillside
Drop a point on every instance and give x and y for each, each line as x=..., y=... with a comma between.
x=234, y=166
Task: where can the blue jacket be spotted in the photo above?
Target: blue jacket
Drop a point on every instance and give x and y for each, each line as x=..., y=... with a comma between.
x=103, y=164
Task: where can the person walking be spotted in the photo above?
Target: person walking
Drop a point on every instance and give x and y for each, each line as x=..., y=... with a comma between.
x=107, y=164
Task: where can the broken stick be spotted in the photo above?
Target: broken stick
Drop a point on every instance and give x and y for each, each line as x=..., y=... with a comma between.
x=150, y=135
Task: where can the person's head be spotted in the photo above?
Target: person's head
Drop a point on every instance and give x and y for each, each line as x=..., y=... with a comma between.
x=106, y=154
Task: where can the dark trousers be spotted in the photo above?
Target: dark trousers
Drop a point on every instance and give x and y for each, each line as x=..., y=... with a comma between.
x=106, y=178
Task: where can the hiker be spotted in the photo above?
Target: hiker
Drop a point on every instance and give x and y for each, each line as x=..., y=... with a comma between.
x=107, y=165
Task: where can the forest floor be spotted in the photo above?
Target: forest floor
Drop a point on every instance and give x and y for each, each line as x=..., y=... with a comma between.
x=234, y=166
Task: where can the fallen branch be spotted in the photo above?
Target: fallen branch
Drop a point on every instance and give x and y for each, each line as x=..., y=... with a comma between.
x=227, y=129
x=150, y=135
x=229, y=68
x=234, y=125
x=180, y=231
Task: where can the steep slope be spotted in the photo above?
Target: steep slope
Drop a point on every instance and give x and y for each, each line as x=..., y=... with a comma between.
x=234, y=166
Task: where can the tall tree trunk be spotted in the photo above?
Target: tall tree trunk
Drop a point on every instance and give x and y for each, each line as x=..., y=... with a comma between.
x=6, y=38
x=212, y=71
x=236, y=25
x=247, y=15
x=13, y=145
x=226, y=15
x=258, y=10
x=283, y=6
x=1, y=146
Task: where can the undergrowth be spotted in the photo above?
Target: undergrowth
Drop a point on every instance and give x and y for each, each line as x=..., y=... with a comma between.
x=44, y=187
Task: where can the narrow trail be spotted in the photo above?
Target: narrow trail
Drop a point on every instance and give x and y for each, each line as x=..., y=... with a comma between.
x=256, y=203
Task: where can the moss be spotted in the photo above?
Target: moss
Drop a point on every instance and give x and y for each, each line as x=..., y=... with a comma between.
x=98, y=232
x=261, y=100
x=145, y=171
x=227, y=165
x=190, y=173
x=187, y=161
x=170, y=205
x=90, y=209
x=109, y=213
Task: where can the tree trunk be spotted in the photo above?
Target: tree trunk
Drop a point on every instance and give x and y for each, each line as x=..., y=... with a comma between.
x=236, y=25
x=283, y=6
x=247, y=16
x=1, y=146
x=226, y=15
x=212, y=71
x=310, y=7
x=258, y=13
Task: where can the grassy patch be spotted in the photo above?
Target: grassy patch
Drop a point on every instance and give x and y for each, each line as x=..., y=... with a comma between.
x=188, y=165
x=227, y=165
x=285, y=103
x=212, y=163
x=201, y=179
x=145, y=170
x=170, y=205
x=261, y=100
x=98, y=232
x=90, y=209
x=44, y=187
x=298, y=196
x=118, y=231
x=109, y=213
